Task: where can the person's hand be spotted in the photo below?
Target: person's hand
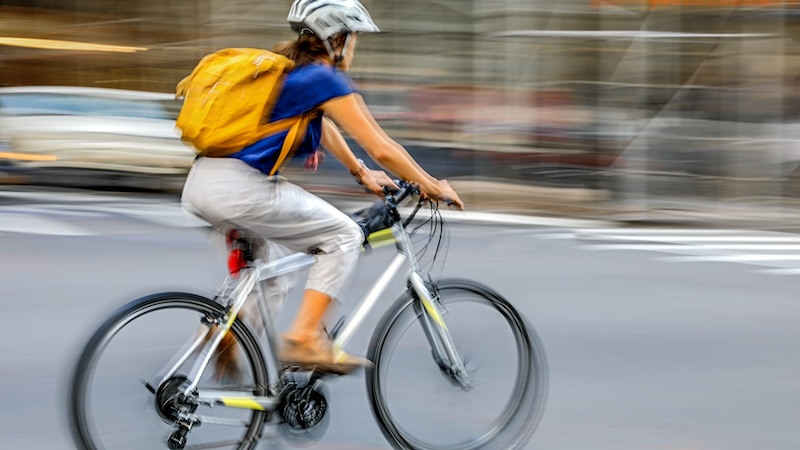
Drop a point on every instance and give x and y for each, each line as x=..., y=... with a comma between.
x=445, y=193
x=314, y=160
x=375, y=180
x=383, y=179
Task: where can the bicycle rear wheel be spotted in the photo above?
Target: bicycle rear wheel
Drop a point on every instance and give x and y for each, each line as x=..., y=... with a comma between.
x=111, y=405
x=419, y=406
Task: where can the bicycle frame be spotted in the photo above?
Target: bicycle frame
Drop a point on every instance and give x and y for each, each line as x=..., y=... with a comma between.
x=237, y=292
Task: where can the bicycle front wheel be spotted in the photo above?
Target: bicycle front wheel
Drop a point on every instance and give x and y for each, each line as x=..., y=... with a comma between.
x=112, y=400
x=419, y=405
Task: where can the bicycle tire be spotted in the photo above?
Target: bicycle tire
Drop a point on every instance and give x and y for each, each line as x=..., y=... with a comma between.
x=82, y=416
x=519, y=415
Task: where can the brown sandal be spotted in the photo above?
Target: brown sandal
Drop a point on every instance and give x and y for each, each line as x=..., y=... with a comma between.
x=316, y=351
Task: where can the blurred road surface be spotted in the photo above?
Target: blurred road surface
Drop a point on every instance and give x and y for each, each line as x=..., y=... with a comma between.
x=656, y=338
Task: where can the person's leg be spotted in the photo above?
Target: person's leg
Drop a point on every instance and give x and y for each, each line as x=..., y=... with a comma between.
x=287, y=214
x=312, y=310
x=335, y=241
x=336, y=260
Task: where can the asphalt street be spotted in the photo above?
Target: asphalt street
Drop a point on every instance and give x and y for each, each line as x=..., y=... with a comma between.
x=655, y=338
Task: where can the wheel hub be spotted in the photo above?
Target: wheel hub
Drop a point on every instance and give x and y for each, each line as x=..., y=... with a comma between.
x=170, y=400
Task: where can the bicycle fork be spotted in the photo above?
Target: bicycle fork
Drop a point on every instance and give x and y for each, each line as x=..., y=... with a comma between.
x=426, y=305
x=443, y=349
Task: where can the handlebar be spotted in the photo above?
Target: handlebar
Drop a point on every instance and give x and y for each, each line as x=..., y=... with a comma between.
x=405, y=190
x=383, y=213
x=395, y=197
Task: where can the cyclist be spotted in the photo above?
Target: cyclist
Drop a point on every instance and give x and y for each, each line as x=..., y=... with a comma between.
x=236, y=192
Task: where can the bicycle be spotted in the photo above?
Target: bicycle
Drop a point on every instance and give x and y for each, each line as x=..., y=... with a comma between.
x=175, y=395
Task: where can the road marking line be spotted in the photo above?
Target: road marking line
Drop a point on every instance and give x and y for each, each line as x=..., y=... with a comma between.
x=795, y=271
x=680, y=239
x=77, y=197
x=705, y=245
x=645, y=231
x=513, y=219
x=555, y=236
x=52, y=211
x=680, y=247
x=733, y=258
x=31, y=224
x=169, y=215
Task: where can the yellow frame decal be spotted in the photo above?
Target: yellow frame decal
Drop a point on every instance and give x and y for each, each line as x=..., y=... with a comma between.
x=428, y=304
x=243, y=403
x=381, y=238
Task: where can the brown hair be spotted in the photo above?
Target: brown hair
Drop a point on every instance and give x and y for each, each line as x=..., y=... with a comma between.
x=307, y=48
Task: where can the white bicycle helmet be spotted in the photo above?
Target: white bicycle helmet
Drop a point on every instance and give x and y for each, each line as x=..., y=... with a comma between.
x=327, y=18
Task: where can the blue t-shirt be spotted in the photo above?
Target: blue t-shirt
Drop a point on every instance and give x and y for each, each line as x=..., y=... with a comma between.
x=304, y=89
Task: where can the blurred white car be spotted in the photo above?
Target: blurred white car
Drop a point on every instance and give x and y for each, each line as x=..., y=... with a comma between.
x=91, y=136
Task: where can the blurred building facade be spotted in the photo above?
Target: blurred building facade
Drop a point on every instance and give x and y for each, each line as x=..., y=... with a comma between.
x=648, y=99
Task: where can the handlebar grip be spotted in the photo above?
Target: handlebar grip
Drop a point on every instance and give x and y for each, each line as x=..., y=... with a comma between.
x=388, y=191
x=398, y=195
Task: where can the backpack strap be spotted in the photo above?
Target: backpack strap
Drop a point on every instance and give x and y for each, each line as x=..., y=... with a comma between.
x=263, y=131
x=298, y=126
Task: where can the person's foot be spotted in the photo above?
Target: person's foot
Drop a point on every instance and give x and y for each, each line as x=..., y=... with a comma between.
x=316, y=351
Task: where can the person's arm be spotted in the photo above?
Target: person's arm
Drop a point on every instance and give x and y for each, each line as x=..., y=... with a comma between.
x=333, y=141
x=388, y=139
x=351, y=114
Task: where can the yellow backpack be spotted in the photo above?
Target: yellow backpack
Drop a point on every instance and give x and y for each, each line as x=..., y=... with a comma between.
x=228, y=99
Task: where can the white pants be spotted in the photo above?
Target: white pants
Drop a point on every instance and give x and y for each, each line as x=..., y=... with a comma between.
x=230, y=194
